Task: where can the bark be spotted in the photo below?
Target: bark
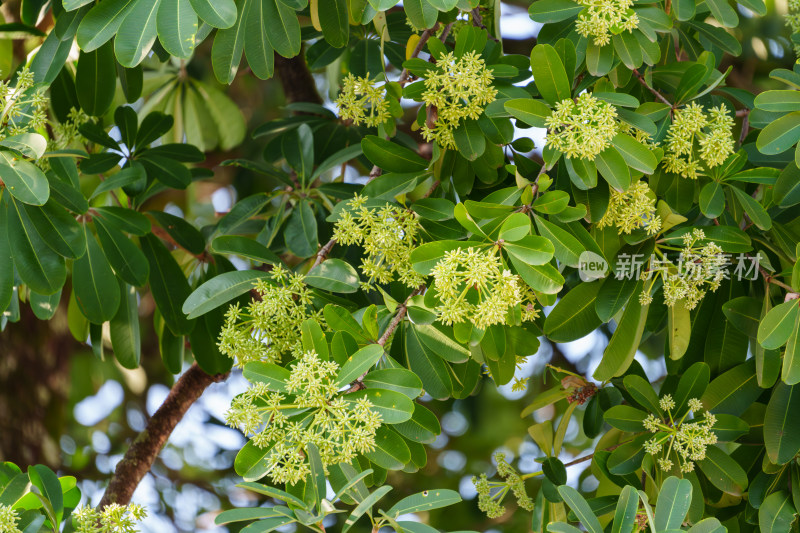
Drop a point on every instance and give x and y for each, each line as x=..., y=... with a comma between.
x=143, y=451
x=297, y=82
x=34, y=386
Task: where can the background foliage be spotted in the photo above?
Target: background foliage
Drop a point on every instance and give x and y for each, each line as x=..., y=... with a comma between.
x=160, y=157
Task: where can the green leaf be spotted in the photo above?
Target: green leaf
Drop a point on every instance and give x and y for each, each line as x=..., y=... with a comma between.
x=359, y=363
x=783, y=101
x=733, y=391
x=693, y=384
x=365, y=505
x=674, y=500
x=137, y=33
x=613, y=168
x=423, y=427
x=568, y=249
x=779, y=135
x=574, y=315
x=96, y=288
x=529, y=111
x=791, y=357
x=625, y=515
x=269, y=373
x=390, y=156
x=334, y=275
x=679, y=327
x=92, y=78
x=754, y=210
x=284, y=28
x=168, y=285
x=301, y=230
x=38, y=266
x=23, y=180
x=551, y=202
x=31, y=145
x=226, y=52
x=134, y=176
x=125, y=257
x=244, y=247
x=421, y=13
x=430, y=368
x=395, y=379
x=545, y=11
x=622, y=347
x=712, y=199
x=257, y=48
x=637, y=155
x=515, y=227
x=778, y=325
x=46, y=481
x=124, y=329
x=625, y=418
x=776, y=513
x=744, y=312
x=100, y=24
x=220, y=290
x=58, y=228
x=469, y=139
x=723, y=471
x=393, y=407
x=581, y=509
x=543, y=278
x=177, y=27
x=781, y=432
x=424, y=501
x=216, y=13
x=334, y=21
x=391, y=451
x=549, y=74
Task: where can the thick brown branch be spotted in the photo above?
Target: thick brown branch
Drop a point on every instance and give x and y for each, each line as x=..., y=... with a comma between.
x=143, y=452
x=297, y=82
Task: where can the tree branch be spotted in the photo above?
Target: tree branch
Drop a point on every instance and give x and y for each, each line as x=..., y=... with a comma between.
x=143, y=452
x=297, y=82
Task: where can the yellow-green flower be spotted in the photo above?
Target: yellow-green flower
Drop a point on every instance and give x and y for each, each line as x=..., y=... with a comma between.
x=8, y=520
x=686, y=440
x=698, y=141
x=311, y=412
x=114, y=518
x=362, y=101
x=632, y=209
x=270, y=326
x=582, y=128
x=457, y=89
x=603, y=18
x=387, y=234
x=491, y=493
x=23, y=107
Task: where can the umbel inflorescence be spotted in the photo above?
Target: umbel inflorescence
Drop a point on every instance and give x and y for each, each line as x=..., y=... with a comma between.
x=582, y=128
x=114, y=518
x=362, y=101
x=632, y=209
x=457, y=89
x=698, y=141
x=388, y=235
x=270, y=326
x=309, y=411
x=685, y=440
x=699, y=268
x=472, y=286
x=491, y=493
x=23, y=107
x=603, y=18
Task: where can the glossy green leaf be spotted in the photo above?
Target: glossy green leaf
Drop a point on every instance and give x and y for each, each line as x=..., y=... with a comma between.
x=96, y=288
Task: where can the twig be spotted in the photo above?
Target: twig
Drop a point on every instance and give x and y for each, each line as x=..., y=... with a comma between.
x=324, y=251
x=655, y=92
x=358, y=384
x=405, y=75
x=745, y=124
x=143, y=452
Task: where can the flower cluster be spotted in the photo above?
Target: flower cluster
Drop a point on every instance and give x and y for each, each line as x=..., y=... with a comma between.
x=114, y=518
x=632, y=209
x=362, y=102
x=582, y=128
x=387, y=234
x=699, y=268
x=8, y=520
x=687, y=439
x=311, y=412
x=22, y=107
x=491, y=493
x=66, y=133
x=458, y=88
x=713, y=133
x=472, y=286
x=603, y=18
x=270, y=325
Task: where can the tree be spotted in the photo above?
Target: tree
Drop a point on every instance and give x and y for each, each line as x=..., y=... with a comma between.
x=398, y=241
